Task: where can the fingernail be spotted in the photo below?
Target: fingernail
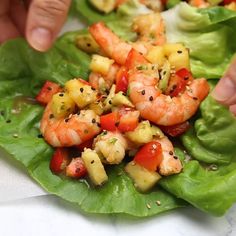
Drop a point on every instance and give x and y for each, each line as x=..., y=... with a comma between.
x=224, y=90
x=41, y=39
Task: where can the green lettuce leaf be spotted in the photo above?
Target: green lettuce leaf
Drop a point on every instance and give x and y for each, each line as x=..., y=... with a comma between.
x=22, y=73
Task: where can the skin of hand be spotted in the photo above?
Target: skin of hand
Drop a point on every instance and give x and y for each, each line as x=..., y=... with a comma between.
x=39, y=21
x=225, y=90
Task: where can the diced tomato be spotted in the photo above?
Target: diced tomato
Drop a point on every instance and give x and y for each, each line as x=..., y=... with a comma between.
x=149, y=156
x=122, y=80
x=128, y=119
x=47, y=91
x=135, y=60
x=179, y=81
x=109, y=121
x=86, y=144
x=175, y=130
x=76, y=168
x=59, y=160
x=227, y=2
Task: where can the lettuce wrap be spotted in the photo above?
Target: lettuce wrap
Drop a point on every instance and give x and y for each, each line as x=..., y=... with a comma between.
x=208, y=179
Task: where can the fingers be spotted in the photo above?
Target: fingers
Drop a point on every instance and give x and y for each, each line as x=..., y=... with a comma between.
x=18, y=15
x=225, y=90
x=233, y=109
x=45, y=19
x=7, y=28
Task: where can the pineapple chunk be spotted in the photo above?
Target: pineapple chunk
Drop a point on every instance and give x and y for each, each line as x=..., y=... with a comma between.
x=179, y=59
x=97, y=107
x=94, y=166
x=143, y=179
x=80, y=92
x=100, y=64
x=172, y=48
x=156, y=55
x=62, y=105
x=142, y=134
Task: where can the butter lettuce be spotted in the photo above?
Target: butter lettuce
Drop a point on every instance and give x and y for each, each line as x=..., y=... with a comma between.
x=22, y=73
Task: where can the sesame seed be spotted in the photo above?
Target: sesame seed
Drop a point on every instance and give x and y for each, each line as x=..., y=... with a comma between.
x=8, y=121
x=195, y=98
x=49, y=88
x=171, y=153
x=81, y=90
x=61, y=94
x=176, y=157
x=15, y=135
x=148, y=206
x=51, y=116
x=110, y=102
x=92, y=162
x=143, y=92
x=67, y=119
x=179, y=51
x=93, y=120
x=158, y=203
x=151, y=98
x=40, y=136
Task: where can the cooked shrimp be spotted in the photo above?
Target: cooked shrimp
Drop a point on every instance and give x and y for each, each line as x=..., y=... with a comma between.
x=111, y=147
x=150, y=28
x=159, y=108
x=103, y=83
x=111, y=44
x=170, y=163
x=70, y=131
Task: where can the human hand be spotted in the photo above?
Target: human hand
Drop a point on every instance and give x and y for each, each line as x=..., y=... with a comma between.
x=38, y=20
x=225, y=90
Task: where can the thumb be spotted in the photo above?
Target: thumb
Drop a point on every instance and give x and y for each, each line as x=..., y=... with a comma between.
x=225, y=90
x=45, y=19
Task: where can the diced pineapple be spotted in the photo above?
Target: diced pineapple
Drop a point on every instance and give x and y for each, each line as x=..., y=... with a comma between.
x=143, y=179
x=80, y=92
x=108, y=100
x=172, y=48
x=87, y=43
x=100, y=64
x=156, y=55
x=142, y=134
x=97, y=107
x=62, y=105
x=179, y=59
x=94, y=166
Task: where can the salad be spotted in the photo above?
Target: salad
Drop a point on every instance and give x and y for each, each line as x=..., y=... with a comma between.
x=207, y=170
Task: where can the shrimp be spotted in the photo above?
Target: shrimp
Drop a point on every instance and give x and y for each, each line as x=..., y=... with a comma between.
x=159, y=108
x=111, y=44
x=111, y=147
x=74, y=130
x=103, y=83
x=150, y=27
x=170, y=163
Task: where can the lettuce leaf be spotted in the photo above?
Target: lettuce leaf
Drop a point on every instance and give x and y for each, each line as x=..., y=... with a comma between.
x=22, y=73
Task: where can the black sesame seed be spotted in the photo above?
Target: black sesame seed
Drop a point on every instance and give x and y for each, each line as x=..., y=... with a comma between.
x=40, y=136
x=81, y=90
x=164, y=72
x=110, y=102
x=151, y=98
x=93, y=89
x=61, y=94
x=78, y=113
x=117, y=124
x=195, y=98
x=176, y=157
x=92, y=162
x=8, y=121
x=51, y=116
x=67, y=119
x=49, y=88
x=179, y=51
x=98, y=124
x=171, y=153
x=93, y=120
x=186, y=78
x=86, y=131
x=88, y=45
x=105, y=132
x=143, y=92
x=174, y=86
x=2, y=113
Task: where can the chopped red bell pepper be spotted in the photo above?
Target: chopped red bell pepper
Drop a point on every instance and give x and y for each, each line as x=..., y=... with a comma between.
x=59, y=160
x=149, y=156
x=86, y=144
x=175, y=130
x=76, y=168
x=109, y=121
x=122, y=80
x=47, y=91
x=135, y=60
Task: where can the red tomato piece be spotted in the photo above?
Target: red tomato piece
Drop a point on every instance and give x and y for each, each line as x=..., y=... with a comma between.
x=76, y=168
x=227, y=2
x=179, y=82
x=135, y=60
x=149, y=156
x=122, y=80
x=86, y=144
x=47, y=91
x=59, y=160
x=128, y=119
x=109, y=121
x=175, y=130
